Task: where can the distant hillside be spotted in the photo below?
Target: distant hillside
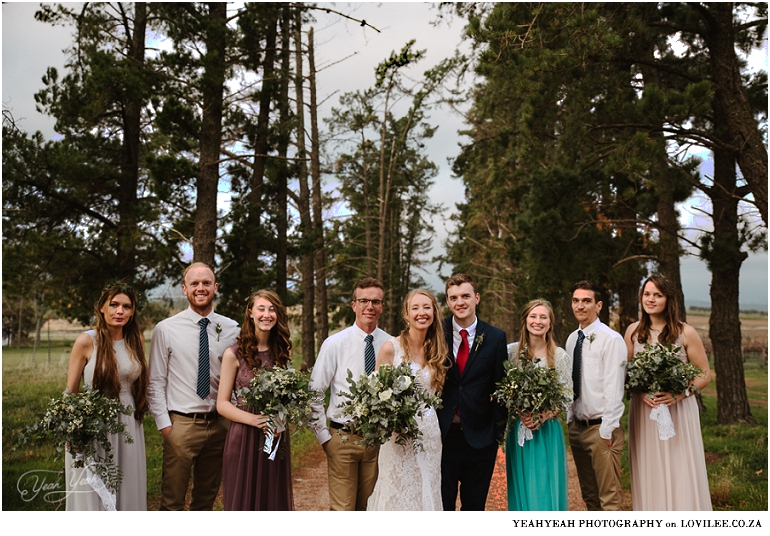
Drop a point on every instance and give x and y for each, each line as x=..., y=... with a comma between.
x=700, y=305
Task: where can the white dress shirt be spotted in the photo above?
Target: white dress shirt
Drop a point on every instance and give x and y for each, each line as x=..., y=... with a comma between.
x=174, y=363
x=457, y=338
x=603, y=377
x=339, y=353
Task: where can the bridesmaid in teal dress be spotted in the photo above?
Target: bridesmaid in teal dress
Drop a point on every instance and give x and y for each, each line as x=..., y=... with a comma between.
x=537, y=469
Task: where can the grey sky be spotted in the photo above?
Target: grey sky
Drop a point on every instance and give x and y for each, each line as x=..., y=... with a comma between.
x=30, y=47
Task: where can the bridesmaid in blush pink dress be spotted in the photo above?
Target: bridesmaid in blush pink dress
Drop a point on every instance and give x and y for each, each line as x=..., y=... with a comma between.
x=667, y=474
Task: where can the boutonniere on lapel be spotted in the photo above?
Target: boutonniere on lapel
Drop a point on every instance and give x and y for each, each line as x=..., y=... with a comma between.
x=479, y=341
x=591, y=338
x=218, y=330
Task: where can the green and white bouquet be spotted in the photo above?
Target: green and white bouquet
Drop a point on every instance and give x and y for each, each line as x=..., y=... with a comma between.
x=528, y=387
x=81, y=423
x=284, y=396
x=657, y=369
x=386, y=403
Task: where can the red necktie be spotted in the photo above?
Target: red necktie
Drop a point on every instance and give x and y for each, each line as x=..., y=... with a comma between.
x=462, y=351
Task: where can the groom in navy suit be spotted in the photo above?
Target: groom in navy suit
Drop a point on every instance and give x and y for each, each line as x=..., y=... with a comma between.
x=471, y=422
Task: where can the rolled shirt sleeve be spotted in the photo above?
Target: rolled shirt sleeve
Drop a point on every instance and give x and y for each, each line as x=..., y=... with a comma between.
x=615, y=378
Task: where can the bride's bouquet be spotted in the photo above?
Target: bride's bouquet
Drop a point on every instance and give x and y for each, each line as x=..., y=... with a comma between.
x=81, y=423
x=656, y=369
x=384, y=403
x=530, y=388
x=284, y=396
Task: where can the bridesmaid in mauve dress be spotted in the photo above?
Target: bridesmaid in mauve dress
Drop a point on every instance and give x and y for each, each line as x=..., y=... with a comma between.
x=111, y=359
x=667, y=474
x=251, y=481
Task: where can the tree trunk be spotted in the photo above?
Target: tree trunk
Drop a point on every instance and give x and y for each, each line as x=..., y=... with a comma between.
x=321, y=299
x=282, y=174
x=628, y=303
x=306, y=223
x=740, y=131
x=212, y=88
x=384, y=191
x=129, y=173
x=254, y=199
x=724, y=259
x=367, y=208
x=38, y=325
x=21, y=318
x=669, y=262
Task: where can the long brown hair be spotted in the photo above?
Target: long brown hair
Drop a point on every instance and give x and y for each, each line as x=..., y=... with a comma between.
x=549, y=340
x=106, y=377
x=279, y=339
x=434, y=348
x=670, y=332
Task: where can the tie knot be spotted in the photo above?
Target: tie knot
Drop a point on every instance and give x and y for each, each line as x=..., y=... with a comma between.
x=369, y=338
x=203, y=322
x=464, y=333
x=581, y=335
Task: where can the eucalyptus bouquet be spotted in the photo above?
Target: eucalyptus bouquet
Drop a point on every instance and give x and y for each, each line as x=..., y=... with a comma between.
x=81, y=423
x=384, y=403
x=656, y=369
x=283, y=395
x=528, y=387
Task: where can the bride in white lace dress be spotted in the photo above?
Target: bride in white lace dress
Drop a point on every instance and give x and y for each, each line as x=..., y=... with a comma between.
x=410, y=480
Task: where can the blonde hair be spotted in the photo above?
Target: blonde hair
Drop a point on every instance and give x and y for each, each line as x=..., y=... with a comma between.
x=549, y=340
x=434, y=348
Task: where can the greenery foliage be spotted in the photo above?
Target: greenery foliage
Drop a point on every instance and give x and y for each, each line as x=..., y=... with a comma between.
x=384, y=404
x=80, y=423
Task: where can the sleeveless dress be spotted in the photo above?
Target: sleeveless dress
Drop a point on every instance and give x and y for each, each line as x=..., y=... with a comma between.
x=410, y=480
x=670, y=474
x=250, y=480
x=129, y=457
x=537, y=471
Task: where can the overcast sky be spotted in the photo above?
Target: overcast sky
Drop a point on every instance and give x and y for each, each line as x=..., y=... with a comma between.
x=30, y=47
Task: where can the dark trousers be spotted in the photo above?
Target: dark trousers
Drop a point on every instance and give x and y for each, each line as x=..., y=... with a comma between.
x=469, y=467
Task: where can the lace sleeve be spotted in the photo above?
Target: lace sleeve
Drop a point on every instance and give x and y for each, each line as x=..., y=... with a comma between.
x=563, y=362
x=513, y=352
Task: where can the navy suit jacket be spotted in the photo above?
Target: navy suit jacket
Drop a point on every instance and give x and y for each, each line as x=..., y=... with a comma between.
x=482, y=419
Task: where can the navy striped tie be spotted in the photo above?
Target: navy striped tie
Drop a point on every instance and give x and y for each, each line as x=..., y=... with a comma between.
x=577, y=364
x=369, y=354
x=204, y=372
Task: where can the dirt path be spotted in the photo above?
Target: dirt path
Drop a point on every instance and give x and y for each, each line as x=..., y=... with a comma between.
x=311, y=490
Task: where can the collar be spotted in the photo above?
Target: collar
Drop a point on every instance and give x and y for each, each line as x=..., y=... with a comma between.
x=197, y=318
x=592, y=327
x=362, y=333
x=470, y=329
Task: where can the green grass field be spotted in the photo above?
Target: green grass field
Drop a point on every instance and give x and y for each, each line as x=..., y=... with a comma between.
x=736, y=454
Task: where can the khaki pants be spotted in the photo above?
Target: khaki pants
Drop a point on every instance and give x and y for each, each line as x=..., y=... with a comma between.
x=352, y=472
x=598, y=466
x=197, y=445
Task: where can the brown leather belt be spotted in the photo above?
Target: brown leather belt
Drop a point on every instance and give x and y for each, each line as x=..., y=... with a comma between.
x=587, y=422
x=211, y=416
